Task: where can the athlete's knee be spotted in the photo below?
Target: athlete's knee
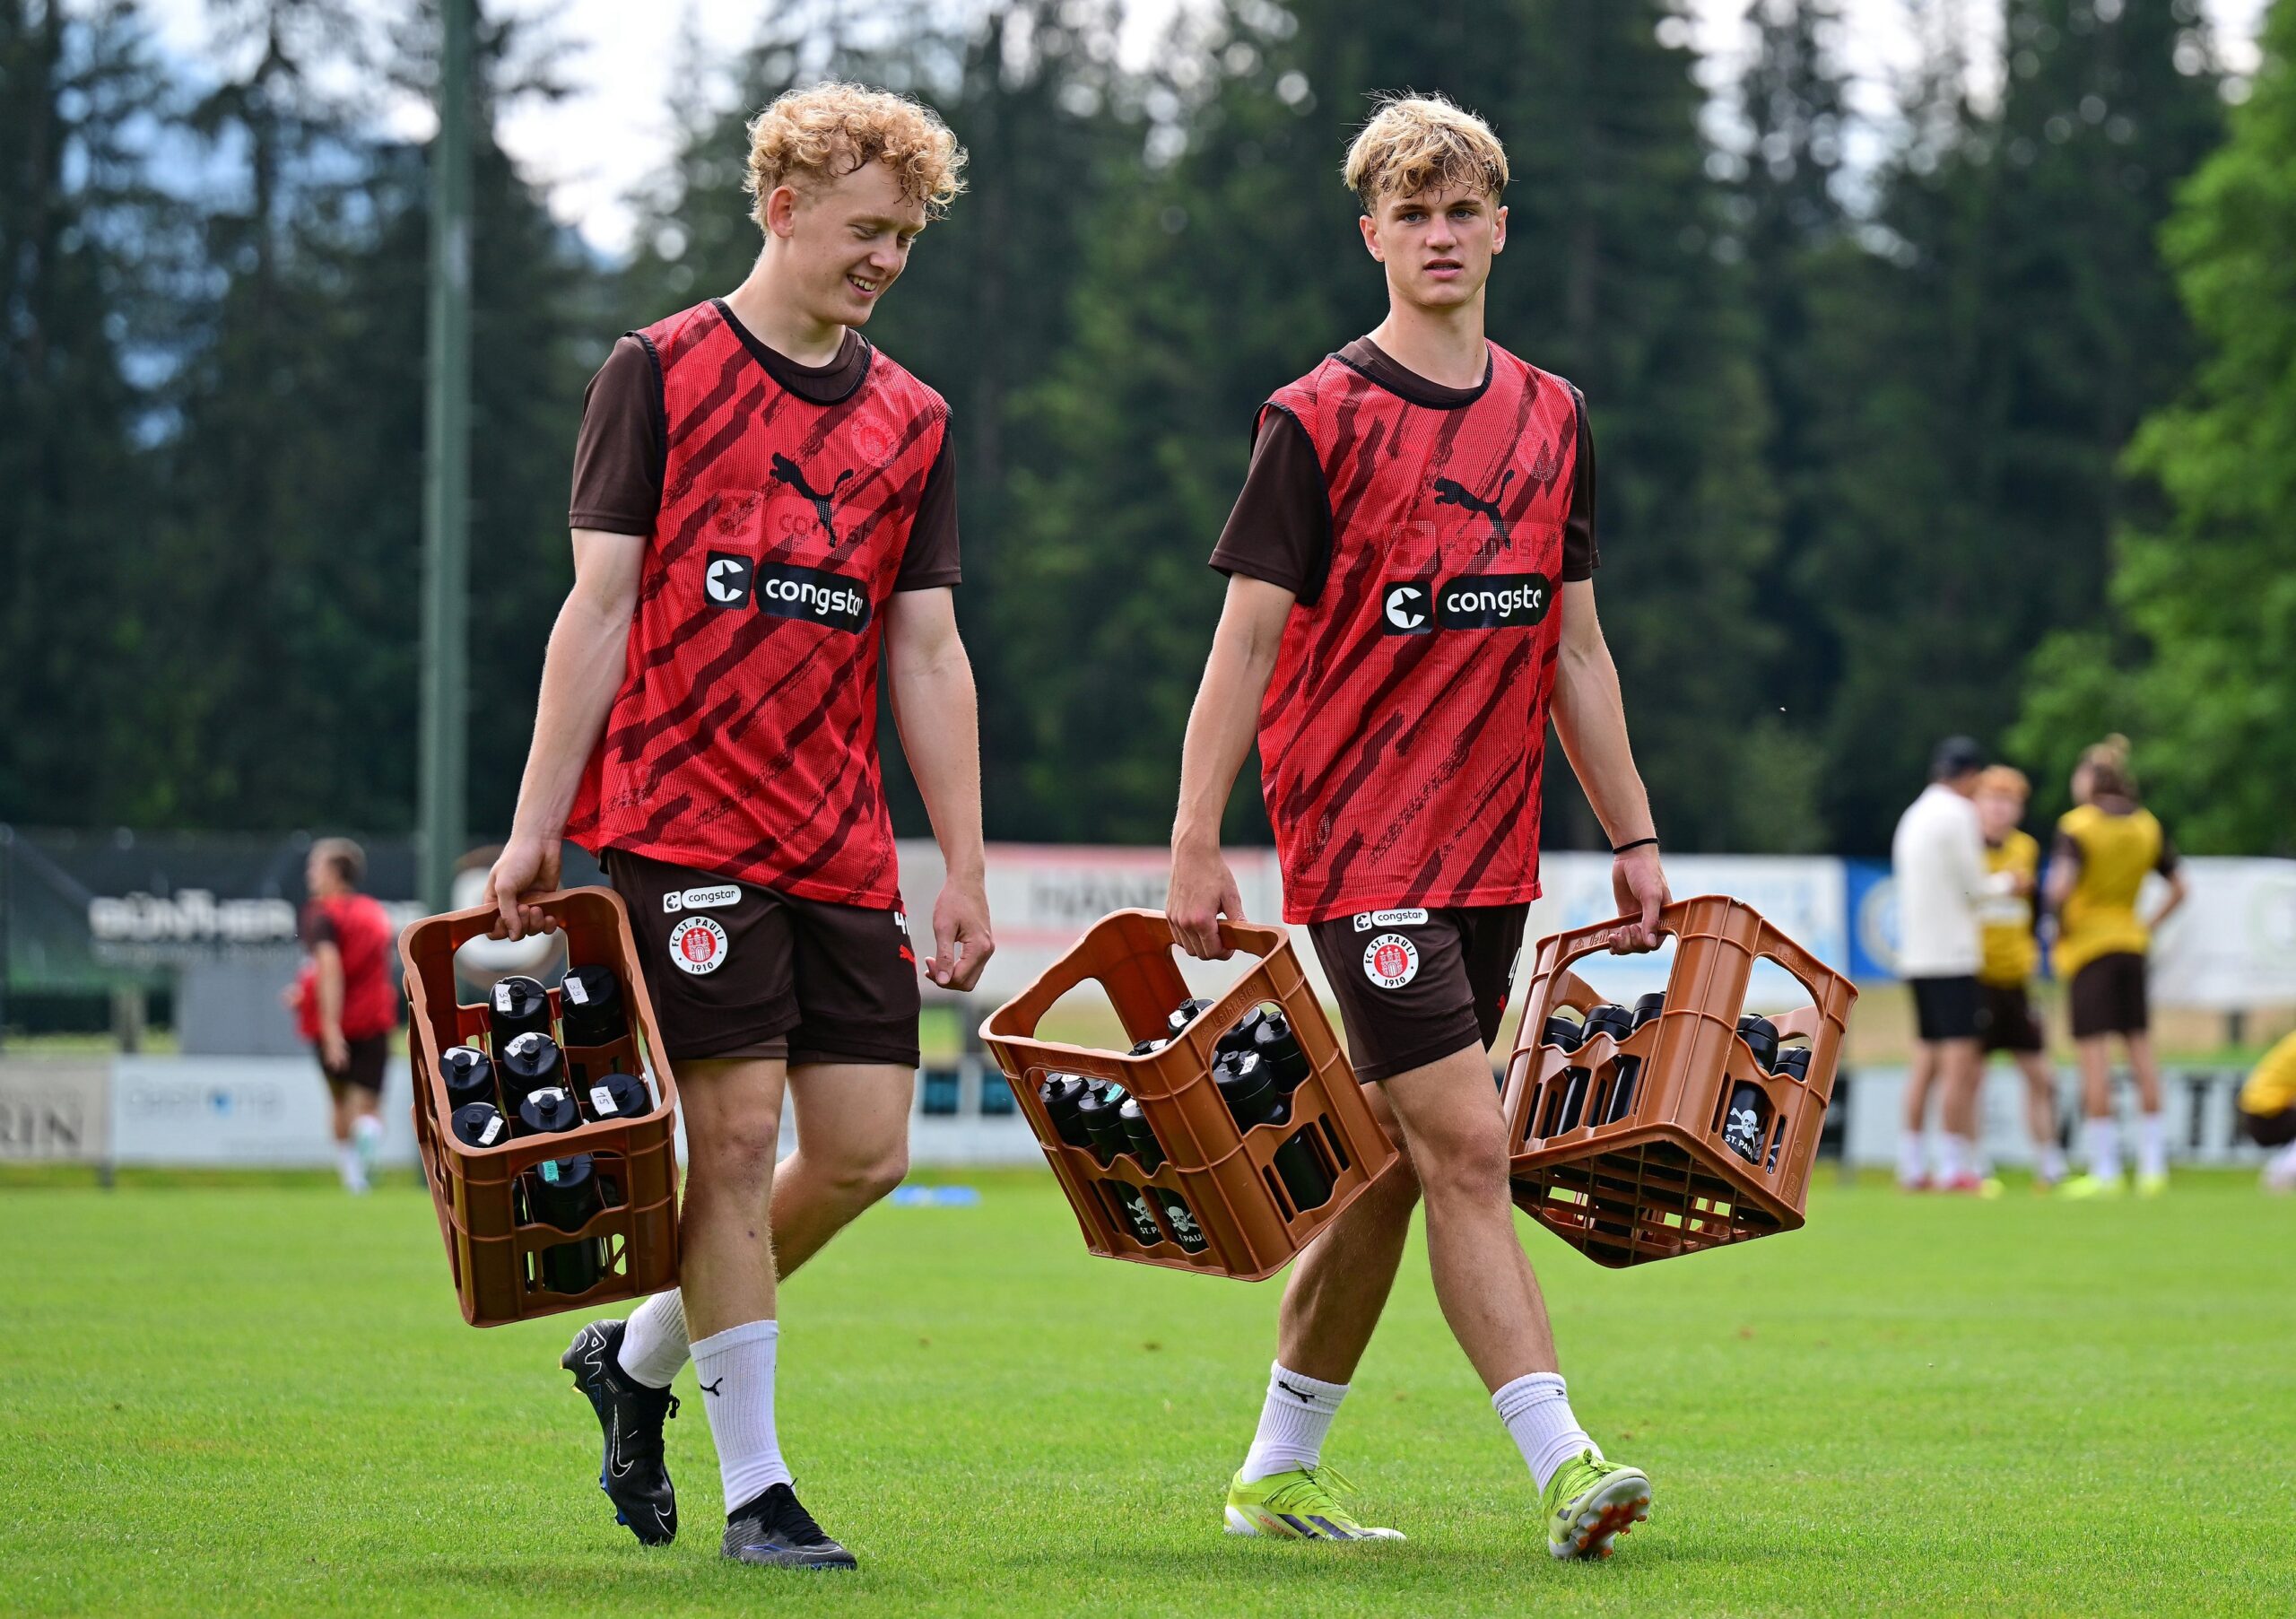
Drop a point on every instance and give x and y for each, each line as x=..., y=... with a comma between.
x=869, y=1172
x=1461, y=1162
x=736, y=1145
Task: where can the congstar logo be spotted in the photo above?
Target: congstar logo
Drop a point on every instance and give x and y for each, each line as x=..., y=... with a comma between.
x=1480, y=601
x=784, y=590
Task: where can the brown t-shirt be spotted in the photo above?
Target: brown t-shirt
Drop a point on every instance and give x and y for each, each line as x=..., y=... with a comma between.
x=1279, y=530
x=624, y=445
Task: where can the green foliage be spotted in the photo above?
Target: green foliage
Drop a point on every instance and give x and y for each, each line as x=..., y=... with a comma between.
x=2198, y=665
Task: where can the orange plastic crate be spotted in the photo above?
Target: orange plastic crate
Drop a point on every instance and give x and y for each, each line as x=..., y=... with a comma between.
x=1658, y=1180
x=493, y=1255
x=1225, y=1176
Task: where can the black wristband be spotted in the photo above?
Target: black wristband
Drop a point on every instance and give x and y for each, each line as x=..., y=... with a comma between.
x=1620, y=849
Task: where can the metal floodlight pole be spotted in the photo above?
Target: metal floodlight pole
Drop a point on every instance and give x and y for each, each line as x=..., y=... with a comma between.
x=446, y=474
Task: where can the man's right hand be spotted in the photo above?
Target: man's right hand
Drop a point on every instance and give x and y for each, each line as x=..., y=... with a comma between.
x=1202, y=890
x=527, y=866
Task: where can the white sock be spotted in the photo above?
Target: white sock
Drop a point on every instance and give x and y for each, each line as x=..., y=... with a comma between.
x=1950, y=1164
x=2104, y=1148
x=346, y=1164
x=1968, y=1161
x=654, y=1342
x=1292, y=1424
x=367, y=1140
x=736, y=1370
x=2052, y=1162
x=1537, y=1413
x=1909, y=1166
x=2283, y=1163
x=2151, y=1144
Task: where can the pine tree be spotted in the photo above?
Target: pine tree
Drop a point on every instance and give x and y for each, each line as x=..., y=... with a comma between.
x=2198, y=659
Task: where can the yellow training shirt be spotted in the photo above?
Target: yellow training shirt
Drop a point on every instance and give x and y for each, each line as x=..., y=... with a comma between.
x=2099, y=916
x=2272, y=1088
x=2012, y=954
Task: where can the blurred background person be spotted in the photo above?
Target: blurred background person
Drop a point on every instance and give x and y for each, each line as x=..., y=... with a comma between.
x=2105, y=848
x=345, y=1004
x=2268, y=1112
x=1938, y=858
x=2009, y=955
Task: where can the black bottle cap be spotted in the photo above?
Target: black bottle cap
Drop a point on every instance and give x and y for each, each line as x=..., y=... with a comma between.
x=1246, y=1085
x=614, y=1097
x=518, y=1004
x=529, y=1062
x=1649, y=1006
x=1062, y=1095
x=1795, y=1060
x=467, y=1075
x=589, y=1002
x=1185, y=1013
x=1142, y=1047
x=1761, y=1036
x=1141, y=1134
x=480, y=1124
x=1616, y=1022
x=1563, y=1033
x=1280, y=1049
x=547, y=1111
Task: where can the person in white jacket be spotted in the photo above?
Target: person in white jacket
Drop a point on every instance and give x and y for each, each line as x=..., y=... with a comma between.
x=1938, y=858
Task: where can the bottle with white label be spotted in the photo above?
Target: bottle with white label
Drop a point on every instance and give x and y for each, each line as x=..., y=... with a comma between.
x=480, y=1124
x=589, y=1006
x=613, y=1098
x=519, y=1005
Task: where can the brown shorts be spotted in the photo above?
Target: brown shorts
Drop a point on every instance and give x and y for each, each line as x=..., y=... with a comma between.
x=2108, y=997
x=1416, y=985
x=735, y=970
x=362, y=1065
x=2005, y=1019
x=2270, y=1130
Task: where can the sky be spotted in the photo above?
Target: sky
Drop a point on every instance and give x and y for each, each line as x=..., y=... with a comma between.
x=591, y=150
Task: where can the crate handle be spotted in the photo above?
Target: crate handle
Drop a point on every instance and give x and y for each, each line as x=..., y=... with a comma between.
x=1017, y=1019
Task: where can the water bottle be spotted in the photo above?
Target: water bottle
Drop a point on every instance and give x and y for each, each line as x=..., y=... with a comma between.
x=1101, y=1113
x=1761, y=1036
x=1143, y=1048
x=1795, y=1060
x=547, y=1111
x=479, y=1124
x=519, y=1005
x=614, y=1097
x=1247, y=1087
x=468, y=1076
x=1145, y=1147
x=1062, y=1095
x=1630, y=1067
x=563, y=1192
x=1185, y=1013
x=1267, y=1032
x=1617, y=1022
x=530, y=1062
x=589, y=1001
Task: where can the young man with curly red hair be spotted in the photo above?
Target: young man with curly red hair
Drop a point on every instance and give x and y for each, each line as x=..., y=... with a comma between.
x=764, y=505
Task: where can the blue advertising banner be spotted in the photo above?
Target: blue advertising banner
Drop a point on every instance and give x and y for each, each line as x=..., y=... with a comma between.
x=1873, y=921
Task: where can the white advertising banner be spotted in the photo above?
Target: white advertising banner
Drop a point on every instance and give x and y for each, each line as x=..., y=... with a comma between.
x=270, y=1112
x=2232, y=943
x=1042, y=897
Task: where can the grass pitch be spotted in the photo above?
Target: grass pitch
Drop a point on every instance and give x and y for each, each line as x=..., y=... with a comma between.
x=256, y=1398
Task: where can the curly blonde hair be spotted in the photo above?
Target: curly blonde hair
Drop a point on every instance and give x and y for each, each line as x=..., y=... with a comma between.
x=1413, y=144
x=825, y=131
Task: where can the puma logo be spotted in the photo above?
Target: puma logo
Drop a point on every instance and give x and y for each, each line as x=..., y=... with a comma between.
x=1450, y=492
x=713, y=1387
x=789, y=472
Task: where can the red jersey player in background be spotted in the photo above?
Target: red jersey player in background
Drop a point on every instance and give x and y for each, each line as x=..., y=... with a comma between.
x=344, y=1000
x=1410, y=600
x=762, y=500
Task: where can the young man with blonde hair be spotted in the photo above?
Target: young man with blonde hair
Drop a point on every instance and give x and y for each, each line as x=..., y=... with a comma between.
x=2009, y=954
x=1410, y=601
x=763, y=505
